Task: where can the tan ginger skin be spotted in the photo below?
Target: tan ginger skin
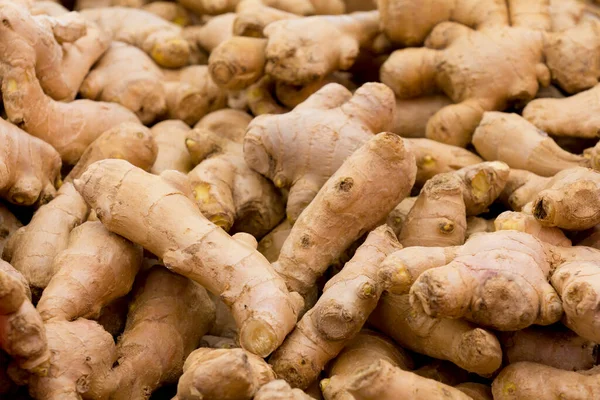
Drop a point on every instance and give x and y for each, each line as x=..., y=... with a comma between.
x=68, y=127
x=444, y=372
x=365, y=349
x=9, y=224
x=339, y=314
x=397, y=216
x=470, y=347
x=214, y=32
x=227, y=191
x=238, y=62
x=515, y=54
x=222, y=374
x=96, y=268
x=477, y=391
x=252, y=16
x=270, y=245
x=62, y=49
x=300, y=7
x=30, y=167
x=531, y=381
x=520, y=144
x=263, y=308
x=280, y=390
x=22, y=333
x=127, y=76
x=172, y=153
x=161, y=39
x=339, y=121
x=191, y=94
x=439, y=215
x=525, y=222
x=342, y=212
x=32, y=248
x=172, y=12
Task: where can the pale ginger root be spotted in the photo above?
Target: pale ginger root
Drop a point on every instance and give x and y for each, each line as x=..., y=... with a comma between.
x=365, y=349
x=554, y=346
x=32, y=248
x=228, y=123
x=161, y=39
x=227, y=191
x=22, y=333
x=435, y=158
x=439, y=216
x=514, y=54
x=476, y=391
x=397, y=216
x=96, y=268
x=30, y=167
x=191, y=93
x=208, y=36
x=347, y=300
x=139, y=206
x=300, y=7
x=172, y=153
x=62, y=49
x=513, y=140
x=383, y=381
x=332, y=117
x=84, y=4
x=129, y=141
x=531, y=381
x=172, y=12
x=574, y=116
x=498, y=280
x=477, y=225
x=412, y=114
x=270, y=245
x=222, y=374
x=521, y=188
x=466, y=345
x=9, y=224
x=280, y=390
x=68, y=127
x=127, y=76
x=252, y=16
x=342, y=211
x=238, y=62
x=261, y=99
x=525, y=222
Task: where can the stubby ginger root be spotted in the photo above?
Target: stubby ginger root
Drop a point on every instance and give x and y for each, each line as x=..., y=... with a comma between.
x=139, y=206
x=531, y=381
x=342, y=211
x=222, y=374
x=514, y=54
x=228, y=192
x=30, y=167
x=439, y=215
x=339, y=314
x=332, y=117
x=161, y=39
x=22, y=333
x=96, y=268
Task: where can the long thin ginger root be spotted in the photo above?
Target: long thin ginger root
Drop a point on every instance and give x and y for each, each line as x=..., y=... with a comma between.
x=339, y=121
x=138, y=206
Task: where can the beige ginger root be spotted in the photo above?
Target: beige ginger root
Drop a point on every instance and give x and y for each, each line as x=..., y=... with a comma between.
x=531, y=381
x=222, y=374
x=270, y=245
x=161, y=39
x=238, y=62
x=412, y=114
x=172, y=12
x=525, y=222
x=342, y=212
x=94, y=269
x=138, y=206
x=515, y=54
x=9, y=224
x=339, y=314
x=280, y=390
x=208, y=36
x=172, y=153
x=252, y=16
x=22, y=333
x=30, y=167
x=397, y=216
x=68, y=127
x=339, y=121
x=300, y=7
x=521, y=188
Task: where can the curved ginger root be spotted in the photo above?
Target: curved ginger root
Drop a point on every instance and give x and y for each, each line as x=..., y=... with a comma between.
x=29, y=167
x=96, y=268
x=22, y=333
x=135, y=204
x=341, y=212
x=515, y=54
x=332, y=117
x=222, y=374
x=172, y=153
x=339, y=314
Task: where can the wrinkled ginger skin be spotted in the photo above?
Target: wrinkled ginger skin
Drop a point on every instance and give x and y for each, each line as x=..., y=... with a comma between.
x=29, y=167
x=127, y=76
x=138, y=206
x=32, y=248
x=341, y=311
x=282, y=147
x=96, y=268
x=160, y=39
x=68, y=127
x=222, y=374
x=172, y=153
x=342, y=211
x=22, y=333
x=531, y=381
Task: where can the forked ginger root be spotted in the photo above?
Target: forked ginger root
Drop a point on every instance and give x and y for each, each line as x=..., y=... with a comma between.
x=138, y=206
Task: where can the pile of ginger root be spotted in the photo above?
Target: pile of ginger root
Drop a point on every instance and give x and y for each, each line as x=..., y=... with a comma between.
x=299, y=199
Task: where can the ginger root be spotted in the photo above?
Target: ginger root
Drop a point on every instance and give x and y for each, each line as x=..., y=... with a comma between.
x=525, y=222
x=9, y=224
x=280, y=390
x=172, y=153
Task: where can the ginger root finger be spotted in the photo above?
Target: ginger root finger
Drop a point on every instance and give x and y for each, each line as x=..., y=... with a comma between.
x=172, y=153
